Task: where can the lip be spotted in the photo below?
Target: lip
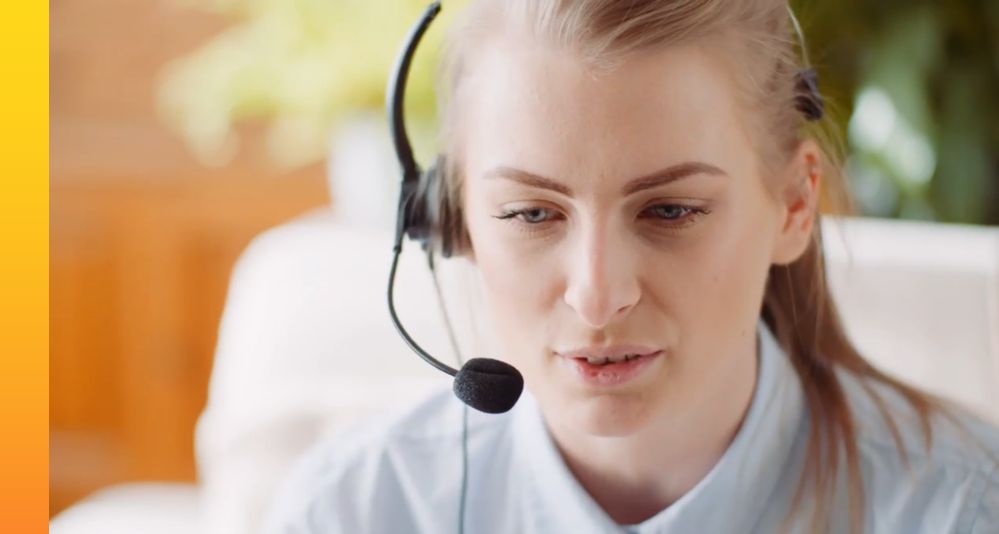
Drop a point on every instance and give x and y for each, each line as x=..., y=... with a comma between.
x=612, y=351
x=611, y=374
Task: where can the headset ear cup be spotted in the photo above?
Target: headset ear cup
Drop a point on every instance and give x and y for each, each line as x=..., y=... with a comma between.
x=425, y=210
x=435, y=218
x=450, y=221
x=437, y=207
x=420, y=210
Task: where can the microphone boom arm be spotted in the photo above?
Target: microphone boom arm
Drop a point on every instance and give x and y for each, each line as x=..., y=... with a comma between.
x=402, y=331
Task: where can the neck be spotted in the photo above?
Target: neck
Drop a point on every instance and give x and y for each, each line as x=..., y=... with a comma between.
x=636, y=476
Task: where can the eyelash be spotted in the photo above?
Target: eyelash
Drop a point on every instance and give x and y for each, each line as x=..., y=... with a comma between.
x=691, y=214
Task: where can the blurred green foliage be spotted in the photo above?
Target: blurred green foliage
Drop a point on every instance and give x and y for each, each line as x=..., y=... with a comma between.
x=920, y=81
x=915, y=83
x=301, y=66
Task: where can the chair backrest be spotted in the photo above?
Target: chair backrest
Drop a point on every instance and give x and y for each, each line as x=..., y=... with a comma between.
x=921, y=301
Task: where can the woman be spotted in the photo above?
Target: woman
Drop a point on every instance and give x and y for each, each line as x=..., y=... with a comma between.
x=637, y=184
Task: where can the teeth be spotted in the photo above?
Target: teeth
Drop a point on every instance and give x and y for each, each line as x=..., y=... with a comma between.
x=596, y=360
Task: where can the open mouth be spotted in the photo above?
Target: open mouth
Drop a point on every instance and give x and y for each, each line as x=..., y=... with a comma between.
x=604, y=371
x=607, y=361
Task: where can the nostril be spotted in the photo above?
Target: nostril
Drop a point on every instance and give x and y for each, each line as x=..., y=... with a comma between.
x=598, y=308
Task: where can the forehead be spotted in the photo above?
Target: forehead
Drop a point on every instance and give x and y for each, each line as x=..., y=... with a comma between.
x=546, y=111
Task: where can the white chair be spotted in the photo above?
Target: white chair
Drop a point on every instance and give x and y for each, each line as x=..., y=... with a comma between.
x=306, y=347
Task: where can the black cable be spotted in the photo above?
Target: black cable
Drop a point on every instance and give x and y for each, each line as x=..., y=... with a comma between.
x=463, y=497
x=464, y=469
x=443, y=308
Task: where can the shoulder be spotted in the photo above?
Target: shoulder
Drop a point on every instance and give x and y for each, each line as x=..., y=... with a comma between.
x=951, y=480
x=386, y=472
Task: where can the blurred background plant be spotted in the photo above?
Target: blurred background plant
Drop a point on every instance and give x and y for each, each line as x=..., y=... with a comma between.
x=916, y=81
x=920, y=79
x=303, y=66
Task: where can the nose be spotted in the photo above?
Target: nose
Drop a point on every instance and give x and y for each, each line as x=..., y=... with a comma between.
x=603, y=282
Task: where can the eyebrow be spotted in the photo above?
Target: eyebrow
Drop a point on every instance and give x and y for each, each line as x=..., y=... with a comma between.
x=649, y=181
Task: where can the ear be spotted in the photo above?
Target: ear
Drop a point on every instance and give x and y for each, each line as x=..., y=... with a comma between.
x=797, y=200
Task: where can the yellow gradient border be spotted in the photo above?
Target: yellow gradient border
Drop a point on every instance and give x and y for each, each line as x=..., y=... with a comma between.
x=24, y=236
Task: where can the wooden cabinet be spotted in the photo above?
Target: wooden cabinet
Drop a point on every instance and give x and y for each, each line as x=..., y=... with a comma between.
x=143, y=240
x=138, y=277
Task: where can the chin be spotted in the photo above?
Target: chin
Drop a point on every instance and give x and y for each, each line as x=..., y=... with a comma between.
x=607, y=415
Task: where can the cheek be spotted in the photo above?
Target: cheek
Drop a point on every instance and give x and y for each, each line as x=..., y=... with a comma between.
x=727, y=272
x=521, y=286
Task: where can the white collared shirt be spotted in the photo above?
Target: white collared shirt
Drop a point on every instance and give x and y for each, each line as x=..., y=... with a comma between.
x=403, y=474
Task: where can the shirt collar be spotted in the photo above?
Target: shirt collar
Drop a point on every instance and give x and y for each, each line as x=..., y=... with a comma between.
x=739, y=483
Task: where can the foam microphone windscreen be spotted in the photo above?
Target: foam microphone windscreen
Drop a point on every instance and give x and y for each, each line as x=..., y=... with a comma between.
x=488, y=385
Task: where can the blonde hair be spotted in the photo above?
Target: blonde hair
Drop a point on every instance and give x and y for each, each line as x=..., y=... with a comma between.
x=797, y=305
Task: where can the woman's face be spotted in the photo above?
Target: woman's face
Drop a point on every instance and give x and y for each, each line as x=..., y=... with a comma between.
x=623, y=212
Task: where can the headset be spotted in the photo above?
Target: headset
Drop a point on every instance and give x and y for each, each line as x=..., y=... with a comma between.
x=425, y=215
x=488, y=385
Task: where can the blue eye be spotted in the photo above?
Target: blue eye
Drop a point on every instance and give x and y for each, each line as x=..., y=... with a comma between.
x=673, y=216
x=529, y=215
x=670, y=212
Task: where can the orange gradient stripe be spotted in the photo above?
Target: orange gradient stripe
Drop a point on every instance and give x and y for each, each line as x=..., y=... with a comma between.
x=24, y=227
